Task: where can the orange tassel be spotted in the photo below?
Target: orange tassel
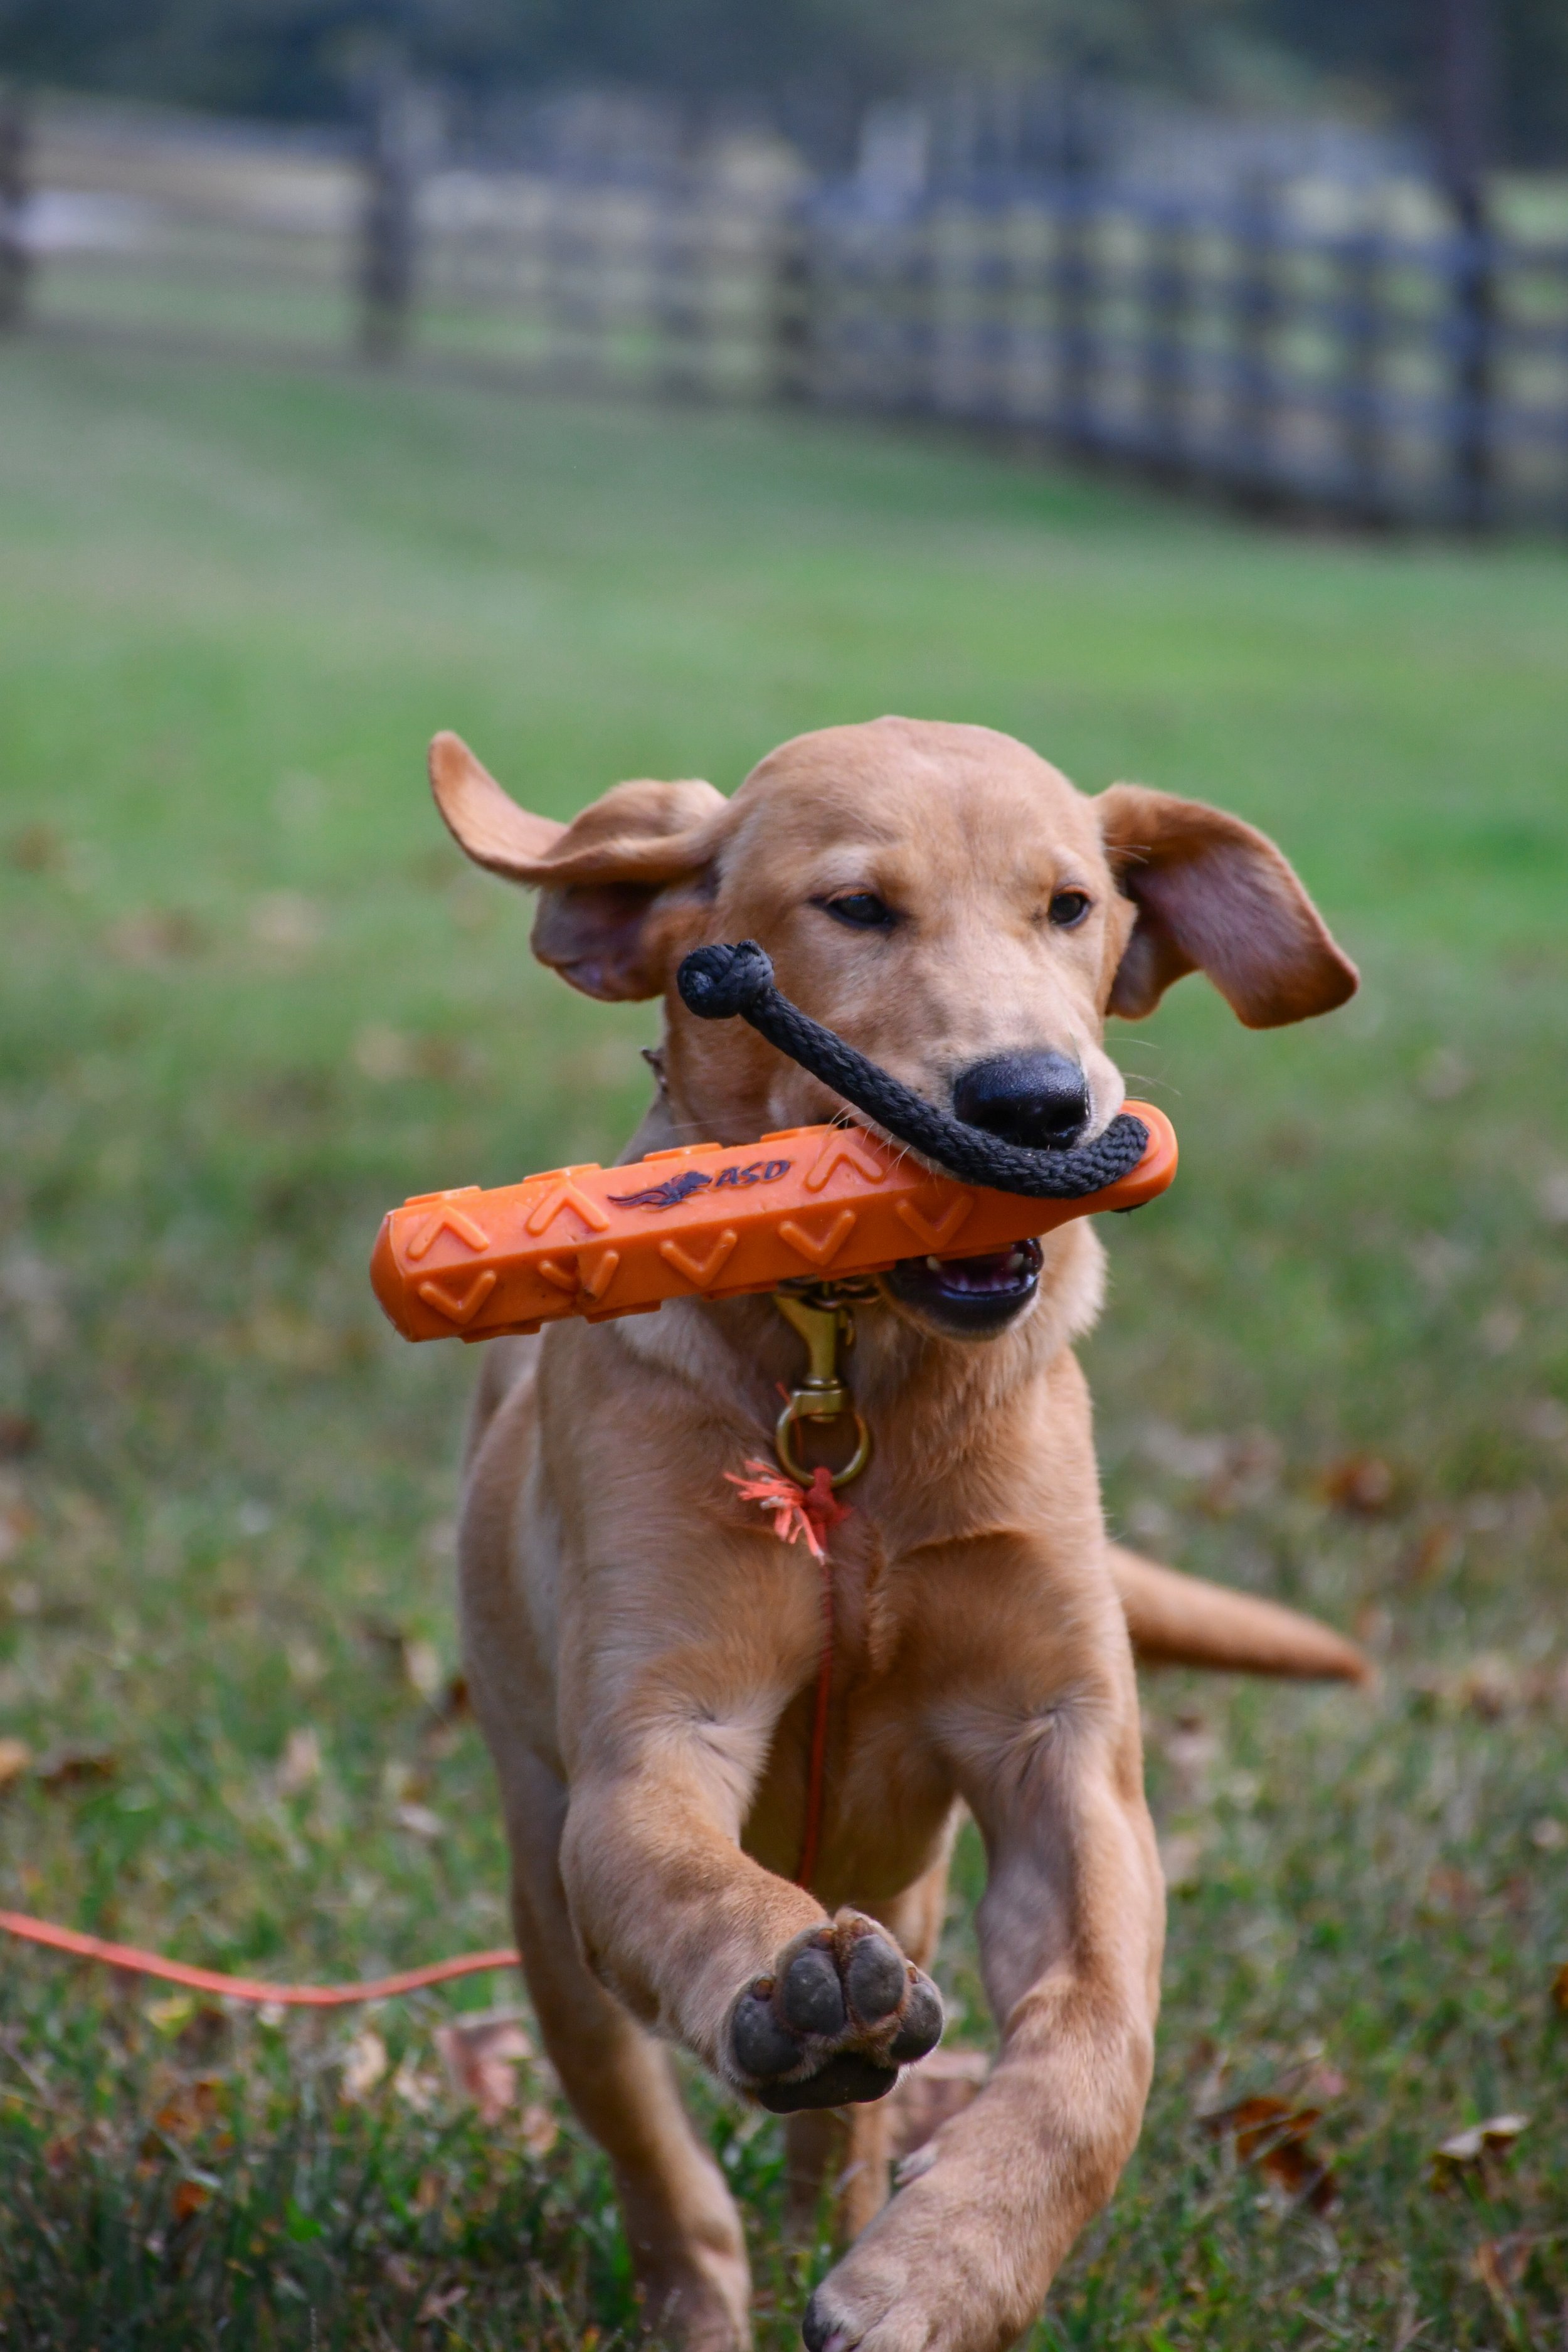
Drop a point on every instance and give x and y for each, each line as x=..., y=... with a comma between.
x=810, y=1511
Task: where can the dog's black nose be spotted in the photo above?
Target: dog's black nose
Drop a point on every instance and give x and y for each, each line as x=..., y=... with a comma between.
x=1040, y=1100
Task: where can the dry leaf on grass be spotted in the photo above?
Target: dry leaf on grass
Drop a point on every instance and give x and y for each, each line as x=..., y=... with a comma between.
x=1498, y=2264
x=188, y=2199
x=418, y=1820
x=1276, y=2138
x=1477, y=2141
x=481, y=2059
x=1560, y=1989
x=1361, y=1482
x=440, y=2302
x=301, y=1762
x=416, y=2088
x=70, y=1767
x=538, y=2129
x=19, y=1435
x=1181, y=1860
x=14, y=1757
x=364, y=2063
x=190, y=2108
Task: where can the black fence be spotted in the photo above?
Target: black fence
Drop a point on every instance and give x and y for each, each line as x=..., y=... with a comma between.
x=1359, y=349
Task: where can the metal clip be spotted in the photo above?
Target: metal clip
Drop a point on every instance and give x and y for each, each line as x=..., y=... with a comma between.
x=822, y=1395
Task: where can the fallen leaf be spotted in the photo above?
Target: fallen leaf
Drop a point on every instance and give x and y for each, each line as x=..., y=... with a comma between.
x=383, y=1054
x=1276, y=2137
x=1435, y=1553
x=35, y=848
x=1479, y=2141
x=418, y=1820
x=1361, y=1483
x=421, y=1667
x=539, y=2130
x=1498, y=2264
x=17, y=1522
x=14, y=1757
x=155, y=936
x=19, y=1435
x=71, y=1768
x=1181, y=1859
x=1560, y=1988
x=364, y=2063
x=300, y=1763
x=1450, y=1891
x=1444, y=1076
x=1553, y=1195
x=481, y=2059
x=188, y=2199
x=438, y=2304
x=400, y=2273
x=190, y=2110
x=417, y=2089
x=931, y=2093
x=286, y=921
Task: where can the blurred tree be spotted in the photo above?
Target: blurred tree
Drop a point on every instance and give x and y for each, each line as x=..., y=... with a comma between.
x=297, y=57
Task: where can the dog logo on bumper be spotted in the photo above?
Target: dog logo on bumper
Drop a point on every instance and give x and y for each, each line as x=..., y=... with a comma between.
x=677, y=1189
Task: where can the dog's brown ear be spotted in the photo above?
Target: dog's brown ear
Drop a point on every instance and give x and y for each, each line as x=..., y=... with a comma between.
x=598, y=877
x=1214, y=896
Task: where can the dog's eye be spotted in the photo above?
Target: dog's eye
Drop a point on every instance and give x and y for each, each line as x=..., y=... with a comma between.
x=1068, y=908
x=861, y=909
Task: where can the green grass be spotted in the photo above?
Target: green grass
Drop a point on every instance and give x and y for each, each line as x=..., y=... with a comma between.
x=252, y=996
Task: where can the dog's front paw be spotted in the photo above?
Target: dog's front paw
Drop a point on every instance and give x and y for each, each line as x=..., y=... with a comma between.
x=840, y=2013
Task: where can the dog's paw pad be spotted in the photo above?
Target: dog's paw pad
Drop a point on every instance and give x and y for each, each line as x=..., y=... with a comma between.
x=841, y=2013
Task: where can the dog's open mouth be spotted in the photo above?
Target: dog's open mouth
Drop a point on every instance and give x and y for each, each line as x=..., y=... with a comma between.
x=972, y=1295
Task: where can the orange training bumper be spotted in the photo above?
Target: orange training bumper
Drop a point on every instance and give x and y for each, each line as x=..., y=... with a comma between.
x=706, y=1220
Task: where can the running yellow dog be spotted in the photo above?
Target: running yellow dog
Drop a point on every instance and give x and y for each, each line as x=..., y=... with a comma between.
x=642, y=1650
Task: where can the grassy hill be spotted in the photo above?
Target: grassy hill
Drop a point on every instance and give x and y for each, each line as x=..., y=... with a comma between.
x=252, y=996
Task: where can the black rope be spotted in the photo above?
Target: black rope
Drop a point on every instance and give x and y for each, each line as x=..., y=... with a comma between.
x=719, y=981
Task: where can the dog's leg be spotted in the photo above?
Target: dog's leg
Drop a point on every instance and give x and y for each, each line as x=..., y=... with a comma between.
x=1071, y=1928
x=848, y=2147
x=680, y=2221
x=674, y=1711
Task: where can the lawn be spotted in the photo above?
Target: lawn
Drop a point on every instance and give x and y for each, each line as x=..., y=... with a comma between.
x=252, y=996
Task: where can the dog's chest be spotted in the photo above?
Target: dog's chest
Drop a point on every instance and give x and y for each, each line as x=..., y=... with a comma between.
x=885, y=1799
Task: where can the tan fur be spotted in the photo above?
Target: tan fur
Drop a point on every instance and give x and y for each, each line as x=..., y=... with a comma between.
x=642, y=1650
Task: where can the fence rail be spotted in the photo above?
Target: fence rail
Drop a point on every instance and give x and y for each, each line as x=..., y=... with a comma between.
x=1295, y=343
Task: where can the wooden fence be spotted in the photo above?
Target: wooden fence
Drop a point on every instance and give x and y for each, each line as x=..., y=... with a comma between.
x=1362, y=352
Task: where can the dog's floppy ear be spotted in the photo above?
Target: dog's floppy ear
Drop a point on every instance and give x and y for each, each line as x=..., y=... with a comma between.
x=597, y=877
x=1214, y=896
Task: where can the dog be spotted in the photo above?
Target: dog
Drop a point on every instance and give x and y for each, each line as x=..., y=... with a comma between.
x=642, y=1650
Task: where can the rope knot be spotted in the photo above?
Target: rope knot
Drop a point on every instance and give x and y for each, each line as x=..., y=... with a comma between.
x=718, y=981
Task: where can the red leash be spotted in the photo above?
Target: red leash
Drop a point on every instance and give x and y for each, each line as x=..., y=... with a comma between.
x=812, y=1512
x=148, y=1964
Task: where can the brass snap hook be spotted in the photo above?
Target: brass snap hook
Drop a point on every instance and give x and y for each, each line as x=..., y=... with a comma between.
x=822, y=1395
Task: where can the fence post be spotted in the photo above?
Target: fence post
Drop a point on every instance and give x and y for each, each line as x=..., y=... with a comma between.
x=399, y=133
x=1472, y=320
x=1466, y=120
x=790, y=307
x=1255, y=309
x=1166, y=301
x=1361, y=391
x=1073, y=290
x=14, y=255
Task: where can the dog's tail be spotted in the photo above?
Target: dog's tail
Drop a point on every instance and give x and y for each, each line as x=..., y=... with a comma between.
x=1183, y=1621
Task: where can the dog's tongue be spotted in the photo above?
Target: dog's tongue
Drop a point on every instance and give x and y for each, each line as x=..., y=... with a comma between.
x=1002, y=1271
